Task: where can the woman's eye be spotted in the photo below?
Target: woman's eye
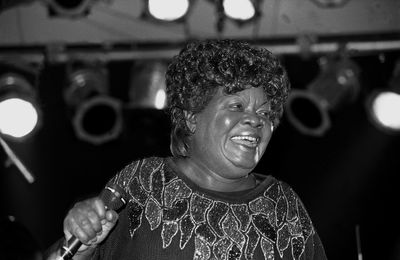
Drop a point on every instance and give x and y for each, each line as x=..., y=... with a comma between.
x=264, y=113
x=236, y=107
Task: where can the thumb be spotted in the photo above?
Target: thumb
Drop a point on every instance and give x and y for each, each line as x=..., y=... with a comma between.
x=110, y=220
x=107, y=225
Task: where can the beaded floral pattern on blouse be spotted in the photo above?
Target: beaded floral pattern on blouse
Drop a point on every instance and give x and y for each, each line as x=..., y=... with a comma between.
x=276, y=220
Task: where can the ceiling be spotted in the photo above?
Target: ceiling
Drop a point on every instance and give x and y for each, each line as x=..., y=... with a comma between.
x=115, y=21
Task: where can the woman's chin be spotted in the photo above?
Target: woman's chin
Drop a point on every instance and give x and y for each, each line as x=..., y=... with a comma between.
x=245, y=162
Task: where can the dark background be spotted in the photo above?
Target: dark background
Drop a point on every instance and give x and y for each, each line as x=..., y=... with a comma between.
x=347, y=178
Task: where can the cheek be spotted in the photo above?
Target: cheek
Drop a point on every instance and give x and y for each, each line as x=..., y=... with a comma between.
x=267, y=134
x=226, y=122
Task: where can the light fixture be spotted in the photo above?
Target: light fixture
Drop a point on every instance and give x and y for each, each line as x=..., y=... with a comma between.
x=69, y=8
x=383, y=106
x=147, y=85
x=19, y=111
x=240, y=12
x=96, y=116
x=166, y=11
x=330, y=3
x=336, y=85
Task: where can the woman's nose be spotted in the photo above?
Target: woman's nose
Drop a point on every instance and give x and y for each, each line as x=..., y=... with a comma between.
x=253, y=119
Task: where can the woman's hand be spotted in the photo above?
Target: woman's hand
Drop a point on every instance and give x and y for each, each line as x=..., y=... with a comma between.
x=90, y=222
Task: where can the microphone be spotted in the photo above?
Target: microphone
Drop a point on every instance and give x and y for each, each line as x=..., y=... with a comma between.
x=114, y=198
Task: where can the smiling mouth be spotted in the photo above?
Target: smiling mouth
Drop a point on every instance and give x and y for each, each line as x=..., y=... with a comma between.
x=245, y=140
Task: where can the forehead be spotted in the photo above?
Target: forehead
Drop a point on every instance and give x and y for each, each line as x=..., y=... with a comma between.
x=249, y=94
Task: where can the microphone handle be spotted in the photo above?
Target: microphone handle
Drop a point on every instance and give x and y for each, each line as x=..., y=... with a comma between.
x=69, y=249
x=113, y=198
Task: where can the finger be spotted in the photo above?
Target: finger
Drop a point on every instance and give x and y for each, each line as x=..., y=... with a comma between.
x=82, y=236
x=99, y=206
x=67, y=228
x=111, y=216
x=83, y=218
x=110, y=220
x=95, y=221
x=86, y=226
x=73, y=228
x=94, y=210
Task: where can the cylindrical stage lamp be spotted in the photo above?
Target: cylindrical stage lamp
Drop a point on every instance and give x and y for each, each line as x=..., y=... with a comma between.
x=69, y=8
x=337, y=84
x=19, y=112
x=147, y=85
x=96, y=116
x=166, y=11
x=383, y=105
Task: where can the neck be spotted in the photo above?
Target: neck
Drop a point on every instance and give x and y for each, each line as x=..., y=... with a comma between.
x=211, y=180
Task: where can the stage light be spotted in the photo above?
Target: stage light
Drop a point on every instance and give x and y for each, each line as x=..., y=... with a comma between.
x=336, y=85
x=19, y=112
x=147, y=85
x=242, y=10
x=96, y=116
x=166, y=11
x=69, y=8
x=383, y=106
x=239, y=11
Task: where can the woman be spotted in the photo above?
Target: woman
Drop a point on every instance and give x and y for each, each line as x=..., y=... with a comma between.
x=225, y=99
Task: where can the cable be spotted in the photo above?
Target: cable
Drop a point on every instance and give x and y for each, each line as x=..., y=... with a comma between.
x=28, y=176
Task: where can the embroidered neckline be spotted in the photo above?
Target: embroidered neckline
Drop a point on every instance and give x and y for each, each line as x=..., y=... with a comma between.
x=274, y=221
x=233, y=197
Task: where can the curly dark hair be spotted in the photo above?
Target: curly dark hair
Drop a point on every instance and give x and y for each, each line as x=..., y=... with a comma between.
x=202, y=67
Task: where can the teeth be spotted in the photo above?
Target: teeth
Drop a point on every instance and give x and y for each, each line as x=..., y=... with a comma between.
x=246, y=138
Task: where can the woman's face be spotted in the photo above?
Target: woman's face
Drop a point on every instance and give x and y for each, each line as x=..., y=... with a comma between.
x=232, y=133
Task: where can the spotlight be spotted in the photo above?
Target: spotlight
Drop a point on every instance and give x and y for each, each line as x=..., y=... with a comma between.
x=147, y=85
x=337, y=84
x=69, y=8
x=97, y=117
x=383, y=106
x=19, y=113
x=166, y=11
x=241, y=11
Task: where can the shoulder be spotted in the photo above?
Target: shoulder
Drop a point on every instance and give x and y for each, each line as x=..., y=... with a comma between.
x=276, y=189
x=138, y=171
x=281, y=207
x=289, y=208
x=143, y=164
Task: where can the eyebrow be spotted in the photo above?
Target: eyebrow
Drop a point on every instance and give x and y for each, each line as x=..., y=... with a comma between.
x=267, y=102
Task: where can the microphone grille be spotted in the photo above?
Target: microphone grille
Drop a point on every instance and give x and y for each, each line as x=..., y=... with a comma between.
x=113, y=197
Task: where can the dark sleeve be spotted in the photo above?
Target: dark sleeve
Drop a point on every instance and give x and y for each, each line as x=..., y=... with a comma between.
x=319, y=251
x=313, y=249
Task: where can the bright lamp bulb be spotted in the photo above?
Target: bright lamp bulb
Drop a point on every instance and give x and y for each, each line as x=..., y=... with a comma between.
x=168, y=10
x=18, y=117
x=160, y=99
x=385, y=108
x=239, y=9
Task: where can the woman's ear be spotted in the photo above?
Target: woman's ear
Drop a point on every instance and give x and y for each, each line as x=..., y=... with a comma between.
x=190, y=119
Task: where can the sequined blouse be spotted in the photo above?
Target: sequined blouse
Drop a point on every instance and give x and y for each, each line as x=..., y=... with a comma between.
x=169, y=217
